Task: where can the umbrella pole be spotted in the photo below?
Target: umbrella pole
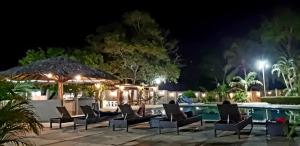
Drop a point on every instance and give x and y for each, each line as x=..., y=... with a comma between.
x=60, y=92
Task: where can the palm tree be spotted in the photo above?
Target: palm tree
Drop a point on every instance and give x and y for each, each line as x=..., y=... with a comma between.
x=16, y=117
x=247, y=82
x=286, y=68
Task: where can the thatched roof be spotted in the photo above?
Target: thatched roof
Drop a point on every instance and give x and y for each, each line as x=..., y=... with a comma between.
x=59, y=67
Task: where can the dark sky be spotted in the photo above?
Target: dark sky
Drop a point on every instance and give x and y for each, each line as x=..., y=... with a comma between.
x=198, y=26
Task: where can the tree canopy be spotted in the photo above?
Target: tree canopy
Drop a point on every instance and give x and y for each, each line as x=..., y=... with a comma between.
x=136, y=49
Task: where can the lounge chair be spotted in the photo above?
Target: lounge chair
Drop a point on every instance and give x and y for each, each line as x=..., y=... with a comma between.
x=65, y=117
x=231, y=119
x=90, y=117
x=176, y=118
x=129, y=118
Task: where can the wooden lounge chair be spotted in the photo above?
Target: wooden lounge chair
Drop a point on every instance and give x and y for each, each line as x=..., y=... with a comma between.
x=89, y=118
x=129, y=118
x=231, y=119
x=65, y=117
x=176, y=118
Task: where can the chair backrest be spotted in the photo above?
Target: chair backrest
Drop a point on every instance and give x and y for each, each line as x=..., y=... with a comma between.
x=64, y=112
x=230, y=110
x=173, y=112
x=127, y=110
x=88, y=111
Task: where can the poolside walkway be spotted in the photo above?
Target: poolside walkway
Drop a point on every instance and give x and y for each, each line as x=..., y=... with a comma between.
x=141, y=135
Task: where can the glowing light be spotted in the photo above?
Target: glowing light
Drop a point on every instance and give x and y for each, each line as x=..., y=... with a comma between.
x=113, y=93
x=258, y=94
x=270, y=92
x=158, y=80
x=172, y=94
x=97, y=86
x=49, y=75
x=203, y=95
x=197, y=94
x=121, y=87
x=181, y=108
x=78, y=77
x=197, y=108
x=262, y=64
x=231, y=95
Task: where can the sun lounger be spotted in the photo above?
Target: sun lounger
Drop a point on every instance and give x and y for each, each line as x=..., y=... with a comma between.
x=129, y=118
x=231, y=119
x=176, y=118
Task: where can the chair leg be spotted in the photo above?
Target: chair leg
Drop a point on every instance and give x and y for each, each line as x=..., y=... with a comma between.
x=126, y=128
x=159, y=130
x=177, y=129
x=50, y=124
x=201, y=122
x=59, y=124
x=113, y=127
x=74, y=125
x=86, y=125
x=238, y=133
x=215, y=133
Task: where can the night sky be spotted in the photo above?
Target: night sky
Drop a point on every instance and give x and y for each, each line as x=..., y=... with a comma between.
x=200, y=27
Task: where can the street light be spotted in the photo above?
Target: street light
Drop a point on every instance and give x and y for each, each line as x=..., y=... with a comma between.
x=263, y=64
x=156, y=82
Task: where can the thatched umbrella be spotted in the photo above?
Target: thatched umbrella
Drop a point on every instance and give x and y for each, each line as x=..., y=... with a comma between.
x=59, y=69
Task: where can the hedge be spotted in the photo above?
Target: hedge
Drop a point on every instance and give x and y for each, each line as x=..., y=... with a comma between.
x=282, y=100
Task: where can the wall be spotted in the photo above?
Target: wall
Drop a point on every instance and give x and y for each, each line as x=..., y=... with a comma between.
x=46, y=109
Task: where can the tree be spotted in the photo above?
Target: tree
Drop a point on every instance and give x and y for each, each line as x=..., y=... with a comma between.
x=283, y=29
x=239, y=57
x=136, y=49
x=247, y=82
x=16, y=117
x=286, y=69
x=35, y=55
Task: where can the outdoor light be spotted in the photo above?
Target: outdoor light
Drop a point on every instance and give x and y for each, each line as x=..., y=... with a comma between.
x=258, y=94
x=263, y=64
x=121, y=87
x=97, y=86
x=197, y=108
x=158, y=80
x=78, y=77
x=49, y=75
x=270, y=92
x=203, y=95
x=231, y=95
x=172, y=94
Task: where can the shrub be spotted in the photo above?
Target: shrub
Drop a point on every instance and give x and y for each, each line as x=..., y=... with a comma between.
x=282, y=100
x=189, y=94
x=240, y=96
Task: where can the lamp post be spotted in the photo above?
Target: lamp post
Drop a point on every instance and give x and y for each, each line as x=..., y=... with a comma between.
x=157, y=81
x=263, y=64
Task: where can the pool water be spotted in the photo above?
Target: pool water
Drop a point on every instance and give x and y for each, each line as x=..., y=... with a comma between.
x=259, y=114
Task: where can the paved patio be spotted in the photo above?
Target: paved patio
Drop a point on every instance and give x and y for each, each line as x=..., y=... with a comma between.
x=141, y=135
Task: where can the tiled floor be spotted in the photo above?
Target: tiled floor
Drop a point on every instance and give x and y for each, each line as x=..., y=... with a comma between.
x=141, y=135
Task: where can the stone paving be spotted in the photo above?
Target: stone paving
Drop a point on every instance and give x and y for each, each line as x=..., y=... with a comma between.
x=141, y=135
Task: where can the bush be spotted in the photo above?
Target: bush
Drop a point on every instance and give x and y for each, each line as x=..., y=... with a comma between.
x=240, y=96
x=282, y=100
x=189, y=94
